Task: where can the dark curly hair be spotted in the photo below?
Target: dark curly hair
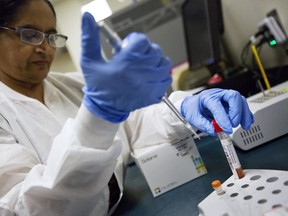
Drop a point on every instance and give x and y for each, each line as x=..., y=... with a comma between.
x=9, y=9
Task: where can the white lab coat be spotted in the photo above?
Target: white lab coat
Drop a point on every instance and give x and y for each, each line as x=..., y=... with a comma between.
x=56, y=160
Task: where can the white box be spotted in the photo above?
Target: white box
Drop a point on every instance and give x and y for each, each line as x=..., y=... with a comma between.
x=167, y=166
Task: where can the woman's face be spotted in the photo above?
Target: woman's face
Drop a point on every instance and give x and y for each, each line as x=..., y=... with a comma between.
x=20, y=63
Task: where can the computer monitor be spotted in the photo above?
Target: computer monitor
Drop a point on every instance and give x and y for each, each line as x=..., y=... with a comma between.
x=203, y=26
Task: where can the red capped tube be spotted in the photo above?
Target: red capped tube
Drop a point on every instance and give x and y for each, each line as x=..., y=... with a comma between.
x=229, y=151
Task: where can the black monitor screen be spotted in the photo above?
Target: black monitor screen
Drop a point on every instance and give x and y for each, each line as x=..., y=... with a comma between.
x=203, y=24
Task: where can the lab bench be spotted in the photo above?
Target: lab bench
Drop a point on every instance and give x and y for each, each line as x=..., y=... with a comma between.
x=184, y=200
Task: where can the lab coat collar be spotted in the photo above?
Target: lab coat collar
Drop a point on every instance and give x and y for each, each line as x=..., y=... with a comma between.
x=16, y=96
x=13, y=94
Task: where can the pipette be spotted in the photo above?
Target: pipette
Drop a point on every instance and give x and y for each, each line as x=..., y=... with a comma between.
x=117, y=43
x=113, y=38
x=179, y=115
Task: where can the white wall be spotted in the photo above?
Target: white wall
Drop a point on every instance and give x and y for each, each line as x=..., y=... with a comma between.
x=240, y=18
x=69, y=23
x=63, y=62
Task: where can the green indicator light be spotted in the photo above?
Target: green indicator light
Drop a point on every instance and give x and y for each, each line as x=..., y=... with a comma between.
x=273, y=42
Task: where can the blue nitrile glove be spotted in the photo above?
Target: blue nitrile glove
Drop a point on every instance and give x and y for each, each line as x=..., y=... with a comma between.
x=137, y=76
x=227, y=107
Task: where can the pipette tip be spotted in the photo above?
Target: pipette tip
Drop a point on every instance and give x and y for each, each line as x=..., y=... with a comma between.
x=190, y=128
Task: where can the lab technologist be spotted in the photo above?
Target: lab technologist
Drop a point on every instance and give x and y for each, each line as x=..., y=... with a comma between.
x=64, y=139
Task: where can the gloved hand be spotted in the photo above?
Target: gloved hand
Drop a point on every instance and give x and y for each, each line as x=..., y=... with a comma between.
x=137, y=76
x=227, y=107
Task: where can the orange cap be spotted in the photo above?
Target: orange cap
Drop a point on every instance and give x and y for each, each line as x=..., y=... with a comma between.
x=216, y=184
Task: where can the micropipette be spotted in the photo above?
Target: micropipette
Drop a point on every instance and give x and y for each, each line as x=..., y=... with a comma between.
x=112, y=37
x=179, y=115
x=116, y=42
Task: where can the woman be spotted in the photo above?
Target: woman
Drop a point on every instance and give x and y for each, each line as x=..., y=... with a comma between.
x=59, y=145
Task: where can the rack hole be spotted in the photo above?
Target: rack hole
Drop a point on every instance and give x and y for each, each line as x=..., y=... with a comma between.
x=230, y=185
x=248, y=197
x=272, y=179
x=262, y=201
x=276, y=206
x=234, y=195
x=256, y=177
x=260, y=188
x=245, y=186
x=276, y=191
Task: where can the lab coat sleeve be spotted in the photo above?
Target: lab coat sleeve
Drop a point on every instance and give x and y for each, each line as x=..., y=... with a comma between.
x=74, y=180
x=156, y=124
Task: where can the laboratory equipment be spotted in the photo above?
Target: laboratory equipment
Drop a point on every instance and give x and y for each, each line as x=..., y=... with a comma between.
x=271, y=29
x=270, y=115
x=115, y=41
x=203, y=26
x=229, y=151
x=259, y=193
x=268, y=107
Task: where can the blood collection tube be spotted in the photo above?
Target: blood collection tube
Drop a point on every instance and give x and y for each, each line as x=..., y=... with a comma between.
x=229, y=151
x=216, y=184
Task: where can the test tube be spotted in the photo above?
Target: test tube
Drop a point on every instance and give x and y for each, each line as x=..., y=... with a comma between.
x=229, y=151
x=216, y=184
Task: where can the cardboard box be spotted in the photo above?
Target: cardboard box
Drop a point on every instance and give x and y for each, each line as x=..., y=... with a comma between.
x=167, y=166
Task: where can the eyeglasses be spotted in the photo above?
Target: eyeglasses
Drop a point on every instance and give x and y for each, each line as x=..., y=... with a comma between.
x=35, y=37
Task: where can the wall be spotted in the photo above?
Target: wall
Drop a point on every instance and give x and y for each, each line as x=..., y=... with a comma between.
x=69, y=23
x=63, y=62
x=240, y=19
